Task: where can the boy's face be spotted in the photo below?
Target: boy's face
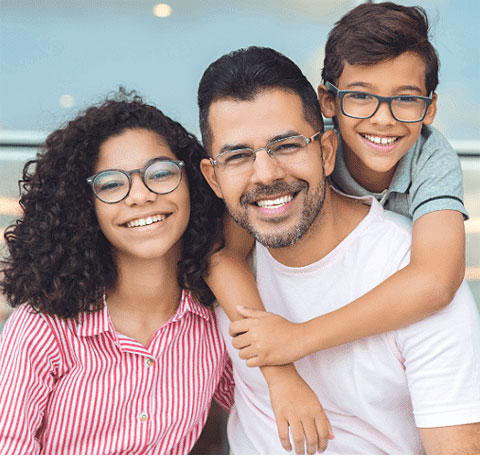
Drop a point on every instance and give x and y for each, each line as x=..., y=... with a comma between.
x=372, y=147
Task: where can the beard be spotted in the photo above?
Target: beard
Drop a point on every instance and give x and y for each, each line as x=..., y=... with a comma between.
x=281, y=238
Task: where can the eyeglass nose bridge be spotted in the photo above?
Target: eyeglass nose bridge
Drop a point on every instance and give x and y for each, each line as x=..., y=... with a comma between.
x=267, y=149
x=129, y=174
x=388, y=101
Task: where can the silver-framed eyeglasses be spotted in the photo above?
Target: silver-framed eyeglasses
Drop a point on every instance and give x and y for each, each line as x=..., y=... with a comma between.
x=285, y=150
x=160, y=176
x=363, y=105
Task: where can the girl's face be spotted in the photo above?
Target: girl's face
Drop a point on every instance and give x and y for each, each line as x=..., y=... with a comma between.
x=144, y=225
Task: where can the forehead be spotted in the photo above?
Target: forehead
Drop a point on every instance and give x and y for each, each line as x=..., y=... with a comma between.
x=131, y=149
x=255, y=122
x=403, y=71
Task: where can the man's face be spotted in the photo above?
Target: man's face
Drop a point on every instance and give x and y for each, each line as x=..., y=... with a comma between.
x=373, y=146
x=276, y=203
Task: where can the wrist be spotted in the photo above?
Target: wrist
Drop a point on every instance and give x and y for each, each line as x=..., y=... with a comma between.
x=276, y=375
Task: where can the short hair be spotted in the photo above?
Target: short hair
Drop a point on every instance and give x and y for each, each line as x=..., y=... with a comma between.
x=59, y=262
x=244, y=73
x=377, y=32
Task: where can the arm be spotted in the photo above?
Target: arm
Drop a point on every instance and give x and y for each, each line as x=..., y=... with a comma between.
x=452, y=440
x=426, y=285
x=295, y=405
x=26, y=350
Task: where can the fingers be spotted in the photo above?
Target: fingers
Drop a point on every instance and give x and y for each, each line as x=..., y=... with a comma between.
x=282, y=427
x=298, y=437
x=323, y=432
x=239, y=327
x=248, y=312
x=241, y=341
x=312, y=438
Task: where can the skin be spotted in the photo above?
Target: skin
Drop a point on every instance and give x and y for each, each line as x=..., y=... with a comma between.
x=423, y=287
x=426, y=285
x=255, y=123
x=147, y=293
x=371, y=166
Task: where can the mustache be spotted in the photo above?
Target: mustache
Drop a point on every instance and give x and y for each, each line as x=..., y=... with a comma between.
x=262, y=191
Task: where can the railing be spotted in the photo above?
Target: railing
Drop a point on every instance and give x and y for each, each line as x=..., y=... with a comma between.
x=18, y=147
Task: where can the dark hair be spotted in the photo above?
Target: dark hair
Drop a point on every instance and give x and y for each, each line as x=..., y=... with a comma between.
x=243, y=74
x=376, y=32
x=59, y=260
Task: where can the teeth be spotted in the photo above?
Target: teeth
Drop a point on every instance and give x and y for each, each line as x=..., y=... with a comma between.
x=380, y=140
x=279, y=201
x=146, y=222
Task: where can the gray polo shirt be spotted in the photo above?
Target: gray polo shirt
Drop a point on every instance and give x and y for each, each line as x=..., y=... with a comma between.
x=428, y=178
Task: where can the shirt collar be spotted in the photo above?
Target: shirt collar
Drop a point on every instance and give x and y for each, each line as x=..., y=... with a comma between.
x=98, y=322
x=342, y=179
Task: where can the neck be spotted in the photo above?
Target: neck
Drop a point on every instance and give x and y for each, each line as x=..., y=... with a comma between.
x=337, y=219
x=145, y=296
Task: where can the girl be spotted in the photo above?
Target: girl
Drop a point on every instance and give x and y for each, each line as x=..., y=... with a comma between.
x=112, y=348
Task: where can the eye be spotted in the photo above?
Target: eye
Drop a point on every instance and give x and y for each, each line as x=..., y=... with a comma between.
x=237, y=156
x=287, y=146
x=359, y=96
x=160, y=174
x=109, y=182
x=409, y=99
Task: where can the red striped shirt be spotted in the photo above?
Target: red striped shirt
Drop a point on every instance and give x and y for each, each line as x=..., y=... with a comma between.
x=79, y=387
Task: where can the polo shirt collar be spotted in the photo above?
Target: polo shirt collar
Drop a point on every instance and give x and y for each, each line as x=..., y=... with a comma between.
x=400, y=183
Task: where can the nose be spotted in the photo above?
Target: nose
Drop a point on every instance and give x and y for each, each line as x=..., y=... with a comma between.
x=383, y=115
x=139, y=194
x=266, y=169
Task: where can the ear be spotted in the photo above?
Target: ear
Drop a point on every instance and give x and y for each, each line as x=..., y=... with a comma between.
x=329, y=143
x=431, y=111
x=208, y=171
x=327, y=102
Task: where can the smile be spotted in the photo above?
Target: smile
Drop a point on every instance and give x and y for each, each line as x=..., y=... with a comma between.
x=382, y=141
x=275, y=203
x=145, y=221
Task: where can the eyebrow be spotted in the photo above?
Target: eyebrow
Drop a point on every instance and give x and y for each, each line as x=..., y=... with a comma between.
x=368, y=86
x=232, y=147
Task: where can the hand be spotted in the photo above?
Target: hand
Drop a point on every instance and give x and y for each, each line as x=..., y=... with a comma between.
x=296, y=407
x=265, y=339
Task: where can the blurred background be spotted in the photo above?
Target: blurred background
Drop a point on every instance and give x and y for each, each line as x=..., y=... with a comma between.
x=59, y=56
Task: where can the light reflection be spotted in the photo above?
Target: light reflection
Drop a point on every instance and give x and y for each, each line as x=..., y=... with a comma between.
x=162, y=10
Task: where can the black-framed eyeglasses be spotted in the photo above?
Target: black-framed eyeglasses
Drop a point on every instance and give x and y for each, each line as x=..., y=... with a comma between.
x=363, y=105
x=284, y=150
x=160, y=176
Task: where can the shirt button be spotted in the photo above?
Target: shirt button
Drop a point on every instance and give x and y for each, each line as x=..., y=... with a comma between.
x=143, y=416
x=149, y=362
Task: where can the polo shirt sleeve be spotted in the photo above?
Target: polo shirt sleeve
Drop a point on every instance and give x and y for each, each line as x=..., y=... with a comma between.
x=437, y=180
x=441, y=356
x=224, y=394
x=28, y=356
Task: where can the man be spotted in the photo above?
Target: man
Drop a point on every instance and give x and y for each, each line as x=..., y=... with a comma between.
x=406, y=391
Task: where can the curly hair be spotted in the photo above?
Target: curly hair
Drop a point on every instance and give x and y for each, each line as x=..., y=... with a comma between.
x=59, y=260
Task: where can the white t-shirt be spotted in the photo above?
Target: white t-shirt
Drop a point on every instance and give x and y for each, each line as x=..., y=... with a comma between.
x=376, y=390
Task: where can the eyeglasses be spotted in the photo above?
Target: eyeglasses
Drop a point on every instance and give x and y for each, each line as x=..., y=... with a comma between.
x=284, y=150
x=160, y=176
x=363, y=105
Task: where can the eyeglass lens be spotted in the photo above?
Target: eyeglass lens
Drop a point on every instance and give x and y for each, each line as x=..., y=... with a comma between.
x=361, y=105
x=285, y=151
x=160, y=177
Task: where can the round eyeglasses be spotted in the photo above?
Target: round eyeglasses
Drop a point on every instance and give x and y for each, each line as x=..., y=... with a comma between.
x=285, y=150
x=363, y=105
x=160, y=176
